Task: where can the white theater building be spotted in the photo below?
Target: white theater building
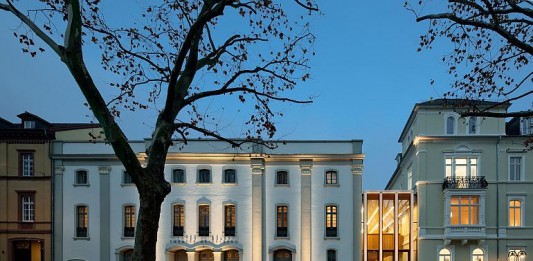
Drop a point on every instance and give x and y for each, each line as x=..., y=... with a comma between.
x=300, y=201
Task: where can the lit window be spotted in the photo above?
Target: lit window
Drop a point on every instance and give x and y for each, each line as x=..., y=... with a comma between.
x=445, y=255
x=464, y=210
x=282, y=177
x=282, y=222
x=331, y=177
x=82, y=221
x=478, y=255
x=230, y=220
x=450, y=125
x=230, y=176
x=472, y=125
x=81, y=177
x=28, y=208
x=179, y=220
x=515, y=213
x=26, y=164
x=461, y=166
x=204, y=176
x=126, y=178
x=178, y=176
x=331, y=221
x=515, y=168
x=129, y=221
x=203, y=224
x=332, y=255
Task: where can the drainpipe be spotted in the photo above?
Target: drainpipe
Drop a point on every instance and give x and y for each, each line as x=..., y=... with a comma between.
x=497, y=198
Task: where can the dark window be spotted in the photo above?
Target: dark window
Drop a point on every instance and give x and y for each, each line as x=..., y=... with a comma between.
x=81, y=177
x=472, y=128
x=229, y=176
x=282, y=177
x=178, y=176
x=332, y=255
x=331, y=177
x=230, y=220
x=204, y=176
x=82, y=221
x=179, y=220
x=331, y=221
x=203, y=222
x=450, y=125
x=129, y=221
x=26, y=164
x=282, y=223
x=127, y=178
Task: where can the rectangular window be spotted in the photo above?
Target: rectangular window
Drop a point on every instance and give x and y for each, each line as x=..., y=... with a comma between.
x=331, y=177
x=129, y=221
x=332, y=255
x=410, y=178
x=203, y=222
x=26, y=164
x=282, y=222
x=464, y=210
x=179, y=220
x=81, y=177
x=331, y=221
x=127, y=178
x=29, y=124
x=27, y=205
x=178, y=176
x=515, y=168
x=461, y=166
x=229, y=176
x=230, y=220
x=282, y=177
x=204, y=176
x=515, y=213
x=82, y=221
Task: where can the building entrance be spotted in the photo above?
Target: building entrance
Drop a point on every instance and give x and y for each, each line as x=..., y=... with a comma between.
x=27, y=250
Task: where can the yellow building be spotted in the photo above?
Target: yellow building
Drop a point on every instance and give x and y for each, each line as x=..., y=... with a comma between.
x=26, y=186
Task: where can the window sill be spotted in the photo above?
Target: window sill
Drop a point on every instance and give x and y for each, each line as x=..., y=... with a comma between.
x=204, y=184
x=81, y=185
x=332, y=185
x=229, y=184
x=178, y=184
x=82, y=238
x=127, y=238
x=282, y=238
x=127, y=185
x=282, y=185
x=332, y=238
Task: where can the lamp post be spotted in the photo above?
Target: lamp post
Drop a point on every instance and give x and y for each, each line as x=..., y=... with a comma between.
x=516, y=255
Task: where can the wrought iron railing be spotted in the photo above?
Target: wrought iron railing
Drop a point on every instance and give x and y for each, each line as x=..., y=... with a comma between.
x=229, y=231
x=477, y=182
x=203, y=231
x=177, y=231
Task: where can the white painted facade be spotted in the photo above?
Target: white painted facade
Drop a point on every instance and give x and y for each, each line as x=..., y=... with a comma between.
x=255, y=196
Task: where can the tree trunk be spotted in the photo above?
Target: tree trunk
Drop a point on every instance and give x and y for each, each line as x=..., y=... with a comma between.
x=152, y=193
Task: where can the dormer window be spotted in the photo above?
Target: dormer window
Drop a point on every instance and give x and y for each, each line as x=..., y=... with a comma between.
x=29, y=124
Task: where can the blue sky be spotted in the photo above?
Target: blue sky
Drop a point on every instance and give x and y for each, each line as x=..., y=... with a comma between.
x=366, y=77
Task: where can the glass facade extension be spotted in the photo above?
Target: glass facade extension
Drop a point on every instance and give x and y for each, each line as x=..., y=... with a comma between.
x=387, y=223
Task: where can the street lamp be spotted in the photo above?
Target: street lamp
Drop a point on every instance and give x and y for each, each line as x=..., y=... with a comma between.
x=516, y=255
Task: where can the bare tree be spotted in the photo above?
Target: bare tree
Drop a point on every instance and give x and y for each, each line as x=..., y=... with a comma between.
x=163, y=53
x=492, y=48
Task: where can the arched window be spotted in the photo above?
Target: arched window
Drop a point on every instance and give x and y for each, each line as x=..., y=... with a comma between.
x=179, y=220
x=450, y=125
x=332, y=255
x=204, y=176
x=445, y=255
x=282, y=178
x=478, y=255
x=515, y=213
x=203, y=220
x=331, y=177
x=178, y=176
x=230, y=176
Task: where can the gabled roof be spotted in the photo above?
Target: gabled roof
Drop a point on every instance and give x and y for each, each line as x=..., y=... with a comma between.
x=450, y=104
x=30, y=116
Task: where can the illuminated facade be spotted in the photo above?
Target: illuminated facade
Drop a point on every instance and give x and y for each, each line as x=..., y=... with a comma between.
x=472, y=180
x=300, y=201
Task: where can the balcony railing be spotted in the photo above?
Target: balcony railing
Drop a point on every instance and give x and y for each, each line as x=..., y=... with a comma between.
x=477, y=182
x=465, y=231
x=203, y=231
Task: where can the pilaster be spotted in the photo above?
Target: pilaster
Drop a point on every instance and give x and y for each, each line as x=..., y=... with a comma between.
x=258, y=205
x=357, y=190
x=306, y=167
x=105, y=212
x=58, y=210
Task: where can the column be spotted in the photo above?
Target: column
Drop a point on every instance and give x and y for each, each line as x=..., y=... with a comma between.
x=306, y=166
x=217, y=256
x=357, y=175
x=105, y=215
x=258, y=233
x=58, y=209
x=191, y=255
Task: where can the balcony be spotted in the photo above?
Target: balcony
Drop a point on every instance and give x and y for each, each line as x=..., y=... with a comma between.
x=465, y=232
x=475, y=182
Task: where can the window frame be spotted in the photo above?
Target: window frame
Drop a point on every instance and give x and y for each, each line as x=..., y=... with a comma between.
x=477, y=125
x=182, y=220
x=522, y=200
x=334, y=215
x=132, y=221
x=175, y=180
x=207, y=220
x=446, y=124
x=328, y=182
x=277, y=223
x=287, y=178
x=126, y=181
x=22, y=172
x=453, y=167
x=471, y=205
x=224, y=176
x=331, y=250
x=473, y=255
x=410, y=177
x=447, y=203
x=521, y=167
x=77, y=223
x=199, y=176
x=22, y=207
x=444, y=255
x=76, y=175
x=29, y=124
x=234, y=220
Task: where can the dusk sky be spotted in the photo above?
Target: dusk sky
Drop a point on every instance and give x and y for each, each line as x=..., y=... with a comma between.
x=366, y=77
